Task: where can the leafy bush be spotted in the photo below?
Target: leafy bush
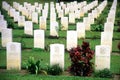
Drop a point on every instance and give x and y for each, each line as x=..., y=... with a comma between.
x=10, y=23
x=101, y=19
x=105, y=73
x=32, y=66
x=80, y=60
x=97, y=27
x=54, y=70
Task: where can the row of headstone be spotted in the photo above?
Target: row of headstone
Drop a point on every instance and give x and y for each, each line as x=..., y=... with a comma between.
x=3, y=24
x=57, y=50
x=87, y=21
x=13, y=49
x=107, y=35
x=6, y=34
x=94, y=14
x=103, y=51
x=21, y=19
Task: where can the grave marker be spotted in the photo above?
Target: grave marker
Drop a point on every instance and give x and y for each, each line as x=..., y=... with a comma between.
x=71, y=39
x=6, y=36
x=80, y=30
x=57, y=55
x=28, y=29
x=64, y=23
x=39, y=39
x=42, y=23
x=102, y=57
x=54, y=29
x=13, y=56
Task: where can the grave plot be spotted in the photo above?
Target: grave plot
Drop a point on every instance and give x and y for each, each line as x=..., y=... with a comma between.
x=48, y=31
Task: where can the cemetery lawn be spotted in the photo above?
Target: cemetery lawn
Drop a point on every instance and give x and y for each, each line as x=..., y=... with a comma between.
x=93, y=37
x=19, y=76
x=44, y=57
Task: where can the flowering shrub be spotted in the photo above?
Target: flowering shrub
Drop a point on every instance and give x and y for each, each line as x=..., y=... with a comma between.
x=80, y=60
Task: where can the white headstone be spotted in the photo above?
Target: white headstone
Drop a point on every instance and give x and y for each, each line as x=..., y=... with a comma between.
x=102, y=57
x=45, y=13
x=106, y=39
x=1, y=17
x=13, y=56
x=64, y=23
x=54, y=29
x=87, y=23
x=108, y=27
x=91, y=18
x=15, y=5
x=16, y=16
x=3, y=25
x=21, y=21
x=111, y=19
x=77, y=14
x=71, y=39
x=80, y=30
x=57, y=55
x=12, y=11
x=20, y=8
x=82, y=12
x=29, y=14
x=52, y=17
x=28, y=28
x=71, y=18
x=24, y=12
x=6, y=36
x=35, y=17
x=60, y=14
x=42, y=23
x=39, y=39
x=66, y=11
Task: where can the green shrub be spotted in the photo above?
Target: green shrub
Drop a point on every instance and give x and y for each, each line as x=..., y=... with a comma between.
x=32, y=66
x=101, y=19
x=54, y=70
x=97, y=27
x=105, y=73
x=10, y=23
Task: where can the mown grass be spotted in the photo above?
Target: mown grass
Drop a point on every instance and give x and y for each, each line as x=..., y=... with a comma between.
x=93, y=37
x=44, y=56
x=18, y=76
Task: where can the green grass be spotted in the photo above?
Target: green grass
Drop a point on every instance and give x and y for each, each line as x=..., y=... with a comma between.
x=44, y=56
x=93, y=37
x=18, y=76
